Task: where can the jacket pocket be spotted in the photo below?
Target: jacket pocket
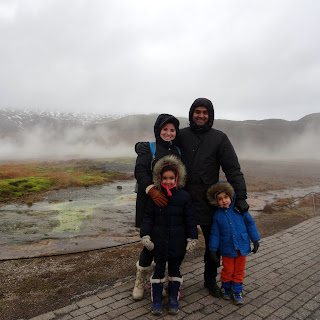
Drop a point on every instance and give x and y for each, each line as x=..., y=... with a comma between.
x=245, y=241
x=245, y=236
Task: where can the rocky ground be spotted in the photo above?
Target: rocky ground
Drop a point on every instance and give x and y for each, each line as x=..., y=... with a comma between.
x=34, y=286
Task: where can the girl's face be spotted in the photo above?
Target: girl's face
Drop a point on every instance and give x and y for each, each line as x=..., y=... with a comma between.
x=168, y=132
x=223, y=200
x=168, y=178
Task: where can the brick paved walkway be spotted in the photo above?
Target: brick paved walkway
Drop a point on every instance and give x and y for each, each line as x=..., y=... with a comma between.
x=282, y=282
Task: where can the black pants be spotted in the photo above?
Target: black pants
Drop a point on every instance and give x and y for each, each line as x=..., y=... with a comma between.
x=146, y=257
x=210, y=269
x=173, y=267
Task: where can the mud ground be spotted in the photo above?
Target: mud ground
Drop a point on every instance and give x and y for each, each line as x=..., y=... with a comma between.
x=34, y=286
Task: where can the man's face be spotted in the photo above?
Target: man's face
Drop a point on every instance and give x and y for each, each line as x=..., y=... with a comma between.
x=200, y=116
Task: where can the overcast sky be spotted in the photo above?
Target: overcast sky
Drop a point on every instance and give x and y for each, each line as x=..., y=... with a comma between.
x=254, y=59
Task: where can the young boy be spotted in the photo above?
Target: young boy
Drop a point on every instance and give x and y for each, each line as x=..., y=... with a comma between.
x=169, y=231
x=230, y=234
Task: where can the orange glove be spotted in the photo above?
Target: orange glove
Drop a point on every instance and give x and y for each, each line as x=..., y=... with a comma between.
x=158, y=197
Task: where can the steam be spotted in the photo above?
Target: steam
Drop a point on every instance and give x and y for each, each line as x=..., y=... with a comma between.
x=299, y=146
x=73, y=143
x=55, y=143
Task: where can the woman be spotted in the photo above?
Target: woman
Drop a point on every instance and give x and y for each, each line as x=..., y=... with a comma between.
x=166, y=130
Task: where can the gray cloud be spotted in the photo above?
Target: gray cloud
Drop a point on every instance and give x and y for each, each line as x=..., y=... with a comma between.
x=253, y=59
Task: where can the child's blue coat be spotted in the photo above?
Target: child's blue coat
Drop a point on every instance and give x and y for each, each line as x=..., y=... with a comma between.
x=231, y=231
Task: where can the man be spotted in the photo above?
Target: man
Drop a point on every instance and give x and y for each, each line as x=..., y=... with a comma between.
x=204, y=151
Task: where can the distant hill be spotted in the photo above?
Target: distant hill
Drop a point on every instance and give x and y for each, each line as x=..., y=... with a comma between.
x=55, y=135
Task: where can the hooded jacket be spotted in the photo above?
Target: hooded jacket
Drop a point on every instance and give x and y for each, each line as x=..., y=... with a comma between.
x=145, y=162
x=230, y=230
x=204, y=151
x=170, y=226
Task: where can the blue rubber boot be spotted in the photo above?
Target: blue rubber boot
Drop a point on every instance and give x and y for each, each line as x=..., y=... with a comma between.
x=174, y=294
x=237, y=293
x=156, y=295
x=226, y=290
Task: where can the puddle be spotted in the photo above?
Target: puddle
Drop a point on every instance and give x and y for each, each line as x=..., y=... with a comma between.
x=258, y=200
x=96, y=214
x=81, y=219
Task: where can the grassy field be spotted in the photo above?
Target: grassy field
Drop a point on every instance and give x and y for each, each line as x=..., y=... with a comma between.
x=27, y=181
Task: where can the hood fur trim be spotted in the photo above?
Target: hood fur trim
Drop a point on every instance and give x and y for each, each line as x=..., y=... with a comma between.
x=175, y=162
x=222, y=186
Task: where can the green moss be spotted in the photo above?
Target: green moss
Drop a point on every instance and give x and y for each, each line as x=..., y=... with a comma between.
x=19, y=187
x=44, y=176
x=90, y=179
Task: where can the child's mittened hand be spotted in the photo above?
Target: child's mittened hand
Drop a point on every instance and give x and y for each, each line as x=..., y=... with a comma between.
x=146, y=241
x=255, y=247
x=191, y=244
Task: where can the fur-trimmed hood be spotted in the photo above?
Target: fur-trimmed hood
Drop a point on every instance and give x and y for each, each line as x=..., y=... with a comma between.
x=221, y=186
x=176, y=163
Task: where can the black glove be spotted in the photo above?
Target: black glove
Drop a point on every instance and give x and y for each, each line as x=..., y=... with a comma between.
x=241, y=206
x=255, y=247
x=214, y=257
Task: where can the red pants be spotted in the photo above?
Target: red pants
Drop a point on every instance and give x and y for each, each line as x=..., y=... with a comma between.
x=233, y=268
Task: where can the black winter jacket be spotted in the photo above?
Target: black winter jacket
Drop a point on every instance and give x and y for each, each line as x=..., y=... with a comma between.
x=204, y=151
x=170, y=226
x=145, y=163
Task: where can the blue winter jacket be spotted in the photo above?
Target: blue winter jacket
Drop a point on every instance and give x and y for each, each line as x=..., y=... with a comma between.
x=231, y=231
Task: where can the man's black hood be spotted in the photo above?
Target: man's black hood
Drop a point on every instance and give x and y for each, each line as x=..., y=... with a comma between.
x=162, y=120
x=202, y=102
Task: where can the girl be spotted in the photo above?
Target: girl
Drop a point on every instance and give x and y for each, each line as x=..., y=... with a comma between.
x=169, y=231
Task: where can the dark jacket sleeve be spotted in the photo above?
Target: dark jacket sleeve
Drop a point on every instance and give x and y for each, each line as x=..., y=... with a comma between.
x=230, y=165
x=190, y=221
x=148, y=220
x=142, y=170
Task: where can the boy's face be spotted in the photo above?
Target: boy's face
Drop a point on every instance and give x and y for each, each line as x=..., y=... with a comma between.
x=223, y=200
x=168, y=178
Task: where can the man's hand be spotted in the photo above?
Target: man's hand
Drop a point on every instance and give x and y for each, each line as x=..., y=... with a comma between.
x=191, y=244
x=158, y=197
x=214, y=257
x=255, y=247
x=241, y=206
x=146, y=241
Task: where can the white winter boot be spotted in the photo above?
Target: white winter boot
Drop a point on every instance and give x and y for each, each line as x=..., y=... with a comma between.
x=143, y=274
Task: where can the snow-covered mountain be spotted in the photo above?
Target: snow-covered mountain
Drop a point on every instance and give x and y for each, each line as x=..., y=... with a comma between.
x=17, y=120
